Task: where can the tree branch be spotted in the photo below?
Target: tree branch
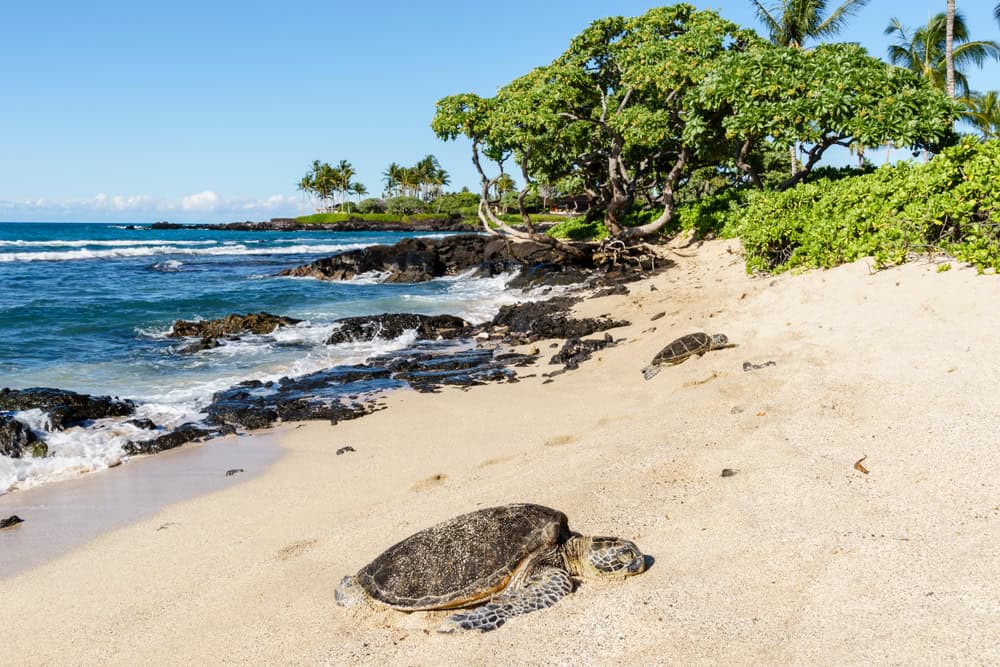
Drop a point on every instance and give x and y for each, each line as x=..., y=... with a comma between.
x=668, y=200
x=746, y=167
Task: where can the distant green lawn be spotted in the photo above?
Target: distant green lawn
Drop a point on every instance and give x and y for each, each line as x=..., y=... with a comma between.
x=331, y=218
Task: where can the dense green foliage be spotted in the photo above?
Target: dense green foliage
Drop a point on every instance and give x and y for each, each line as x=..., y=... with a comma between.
x=371, y=205
x=833, y=95
x=951, y=204
x=578, y=229
x=404, y=205
x=456, y=203
x=535, y=217
x=635, y=107
x=609, y=110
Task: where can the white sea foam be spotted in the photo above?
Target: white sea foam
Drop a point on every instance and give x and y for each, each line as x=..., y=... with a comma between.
x=182, y=394
x=151, y=250
x=119, y=243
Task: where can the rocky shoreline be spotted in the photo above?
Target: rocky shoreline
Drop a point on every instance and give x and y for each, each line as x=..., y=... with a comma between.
x=448, y=351
x=445, y=223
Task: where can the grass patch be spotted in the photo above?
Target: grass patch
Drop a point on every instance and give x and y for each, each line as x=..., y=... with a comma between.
x=333, y=218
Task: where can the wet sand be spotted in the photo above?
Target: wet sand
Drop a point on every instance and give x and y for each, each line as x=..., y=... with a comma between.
x=61, y=516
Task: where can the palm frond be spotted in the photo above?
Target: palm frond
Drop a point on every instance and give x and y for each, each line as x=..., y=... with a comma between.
x=836, y=20
x=772, y=24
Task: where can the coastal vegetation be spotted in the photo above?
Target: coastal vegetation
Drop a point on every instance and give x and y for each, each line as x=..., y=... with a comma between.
x=423, y=181
x=636, y=106
x=950, y=204
x=679, y=119
x=327, y=183
x=328, y=218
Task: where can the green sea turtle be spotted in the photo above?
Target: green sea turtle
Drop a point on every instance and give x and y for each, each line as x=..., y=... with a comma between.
x=684, y=347
x=502, y=561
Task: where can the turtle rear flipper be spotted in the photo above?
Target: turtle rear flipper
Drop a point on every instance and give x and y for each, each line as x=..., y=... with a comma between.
x=650, y=372
x=542, y=589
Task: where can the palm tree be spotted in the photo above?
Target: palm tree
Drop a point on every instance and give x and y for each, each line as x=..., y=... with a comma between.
x=391, y=178
x=305, y=185
x=983, y=113
x=345, y=180
x=924, y=50
x=792, y=22
x=359, y=190
x=409, y=181
x=325, y=182
x=949, y=47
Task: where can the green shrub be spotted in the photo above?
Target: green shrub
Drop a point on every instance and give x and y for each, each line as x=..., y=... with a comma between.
x=577, y=229
x=950, y=204
x=515, y=218
x=404, y=205
x=709, y=215
x=371, y=205
x=455, y=203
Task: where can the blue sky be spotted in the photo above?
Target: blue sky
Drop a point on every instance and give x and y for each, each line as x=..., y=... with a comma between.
x=212, y=110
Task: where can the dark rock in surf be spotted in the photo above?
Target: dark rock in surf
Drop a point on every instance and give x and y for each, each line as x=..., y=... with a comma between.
x=210, y=331
x=64, y=408
x=16, y=439
x=420, y=259
x=392, y=325
x=181, y=435
x=255, y=323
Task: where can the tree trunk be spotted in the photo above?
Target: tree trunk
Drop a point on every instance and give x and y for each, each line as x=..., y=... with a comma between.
x=669, y=183
x=949, y=48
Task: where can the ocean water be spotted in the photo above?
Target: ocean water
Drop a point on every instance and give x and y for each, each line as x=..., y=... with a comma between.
x=87, y=307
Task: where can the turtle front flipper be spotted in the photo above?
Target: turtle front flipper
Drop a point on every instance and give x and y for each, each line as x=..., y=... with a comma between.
x=650, y=372
x=543, y=588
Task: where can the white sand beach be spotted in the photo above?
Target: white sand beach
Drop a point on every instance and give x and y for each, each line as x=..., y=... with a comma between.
x=798, y=558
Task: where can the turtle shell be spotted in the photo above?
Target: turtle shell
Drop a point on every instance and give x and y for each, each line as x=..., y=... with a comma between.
x=684, y=347
x=462, y=560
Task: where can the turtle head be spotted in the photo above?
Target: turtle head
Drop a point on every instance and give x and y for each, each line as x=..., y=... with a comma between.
x=719, y=340
x=604, y=557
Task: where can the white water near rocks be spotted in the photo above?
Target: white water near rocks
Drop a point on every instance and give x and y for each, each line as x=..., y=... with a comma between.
x=208, y=277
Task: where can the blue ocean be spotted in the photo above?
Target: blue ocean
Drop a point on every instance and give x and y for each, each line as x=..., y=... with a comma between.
x=87, y=307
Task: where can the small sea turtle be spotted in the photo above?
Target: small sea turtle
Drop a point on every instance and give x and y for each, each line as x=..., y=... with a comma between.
x=503, y=561
x=684, y=347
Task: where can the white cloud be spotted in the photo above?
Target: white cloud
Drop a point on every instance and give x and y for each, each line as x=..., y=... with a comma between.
x=205, y=200
x=204, y=206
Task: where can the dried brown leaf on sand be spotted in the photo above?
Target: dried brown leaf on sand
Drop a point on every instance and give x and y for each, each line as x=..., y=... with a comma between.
x=859, y=467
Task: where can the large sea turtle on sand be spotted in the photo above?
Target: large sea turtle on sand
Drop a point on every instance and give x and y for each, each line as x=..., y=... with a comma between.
x=684, y=347
x=501, y=561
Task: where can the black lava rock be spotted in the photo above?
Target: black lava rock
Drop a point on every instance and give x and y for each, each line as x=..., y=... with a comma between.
x=392, y=325
x=64, y=408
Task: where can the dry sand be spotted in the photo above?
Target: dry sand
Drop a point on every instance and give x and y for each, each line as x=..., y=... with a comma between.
x=799, y=558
